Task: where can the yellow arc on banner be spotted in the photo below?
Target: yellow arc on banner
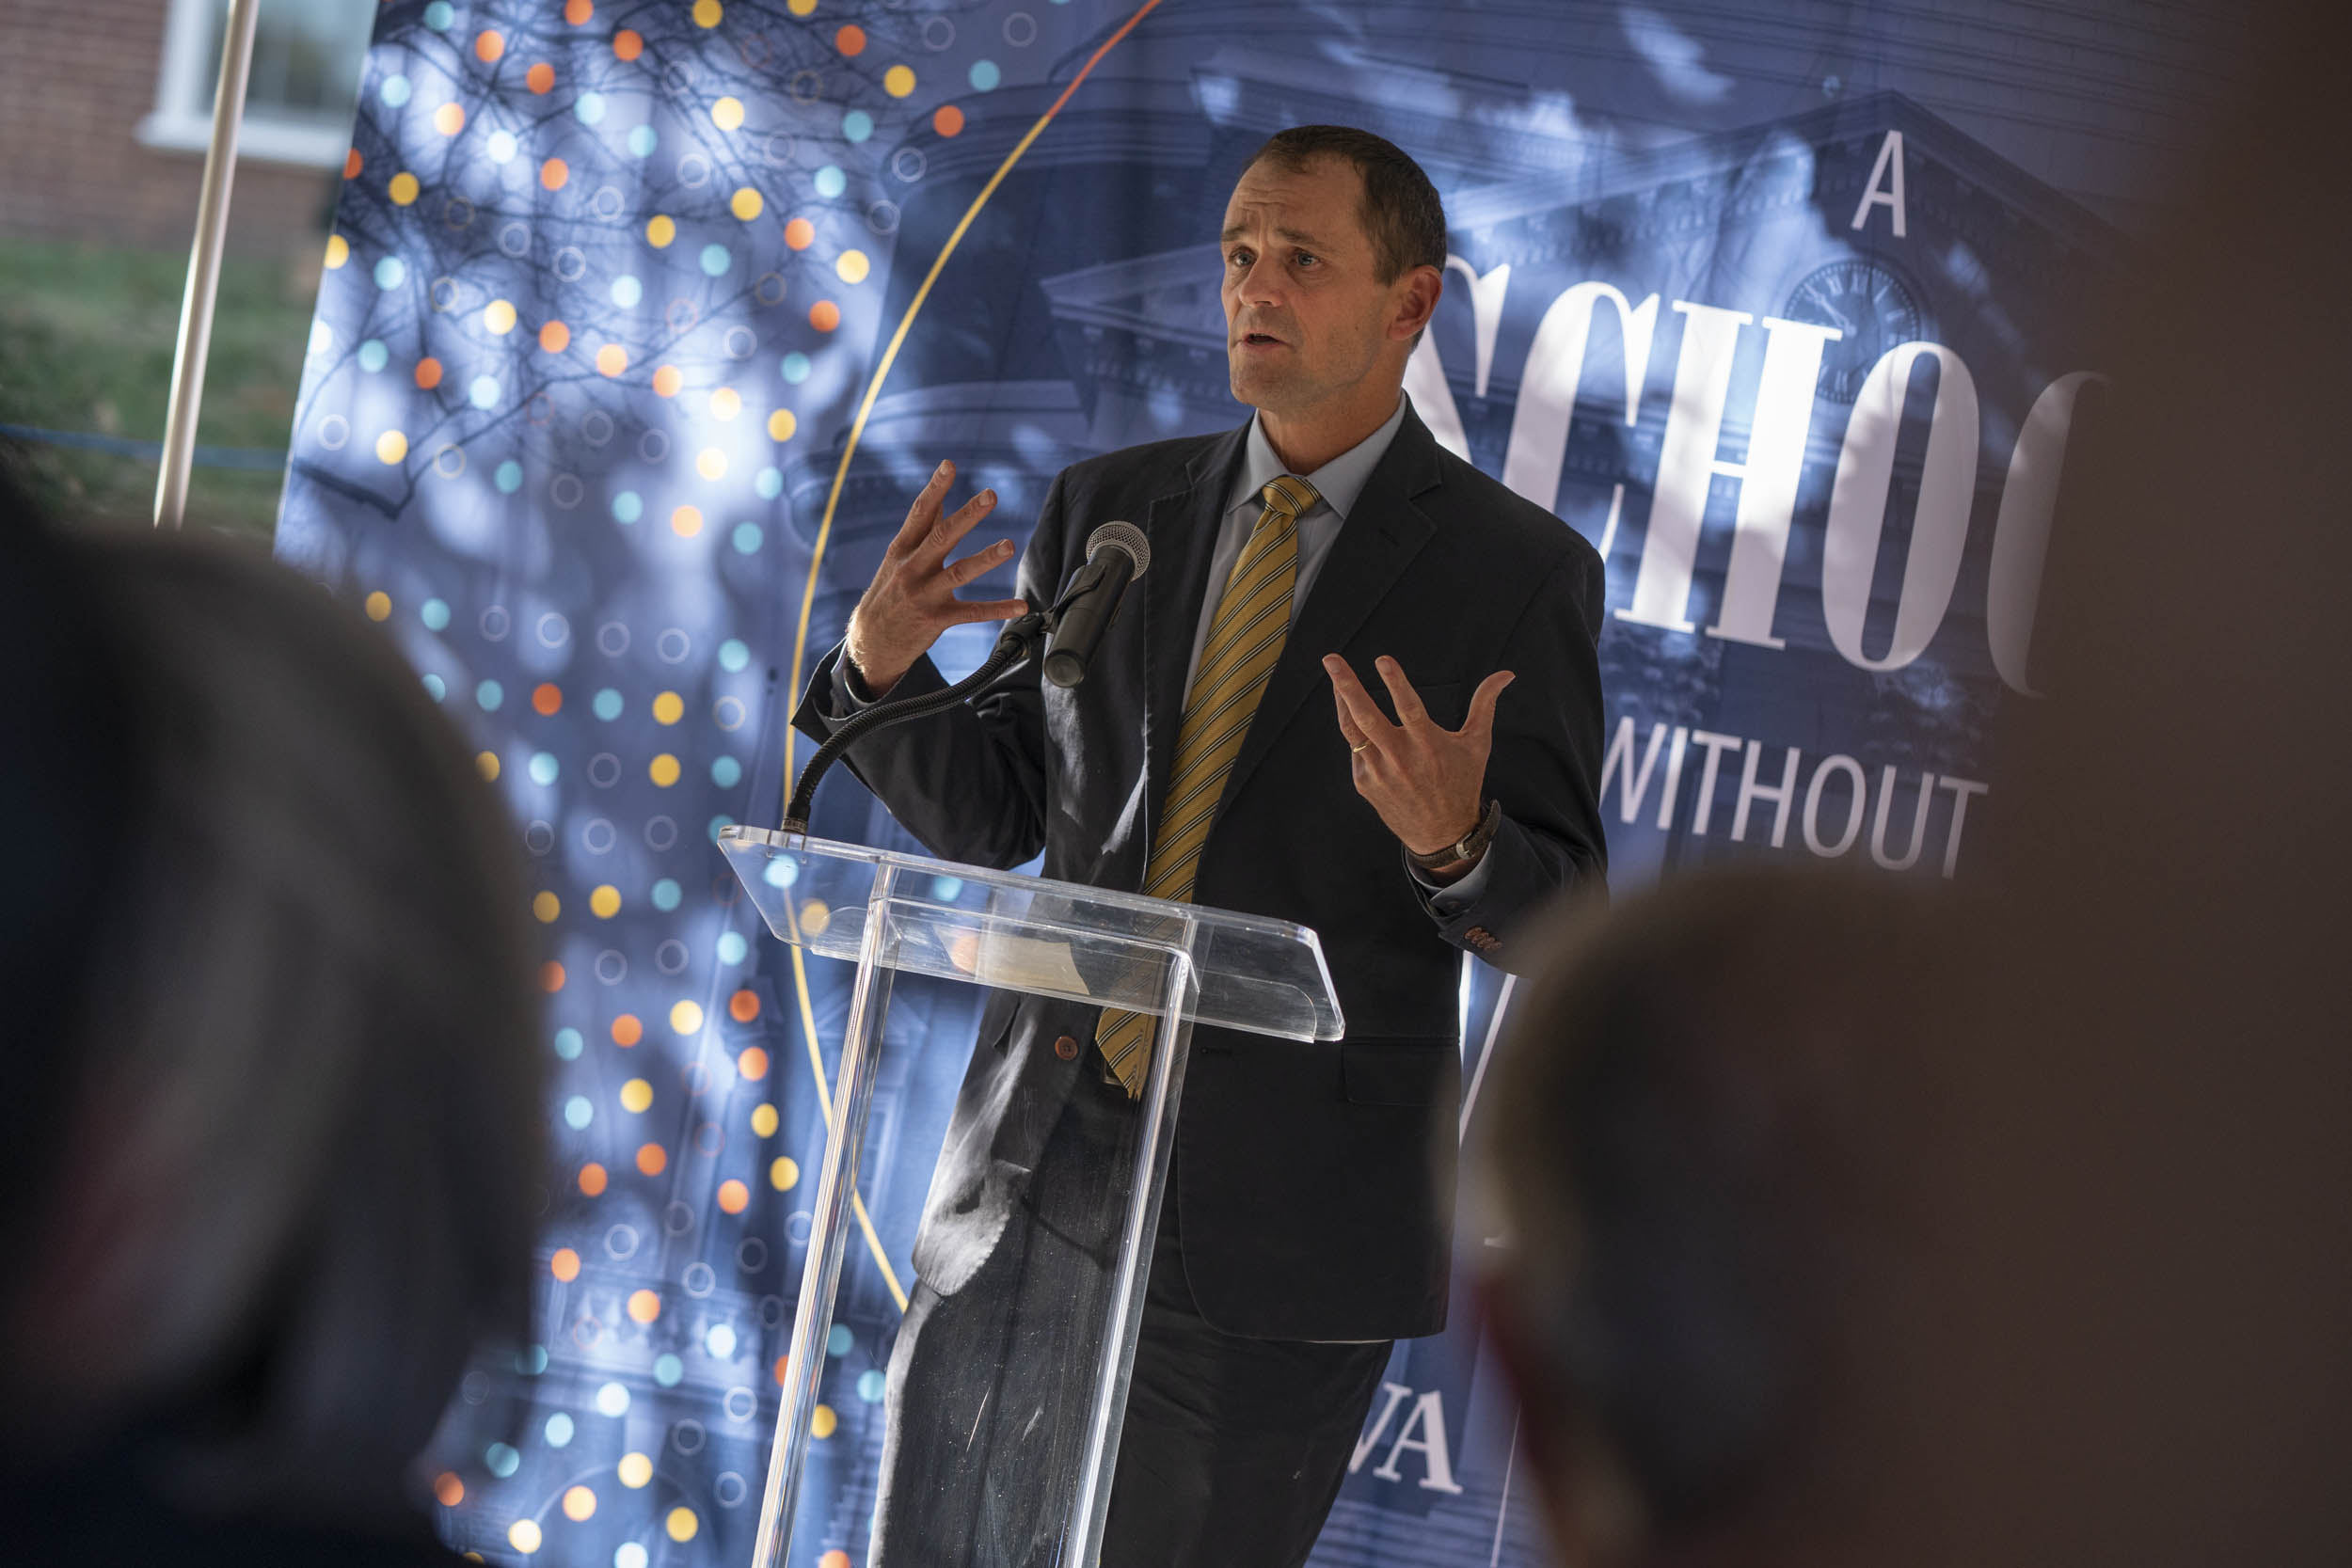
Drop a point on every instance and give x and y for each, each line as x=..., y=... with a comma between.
x=824, y=531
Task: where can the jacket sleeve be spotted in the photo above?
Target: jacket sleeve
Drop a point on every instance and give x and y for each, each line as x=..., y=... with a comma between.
x=969, y=784
x=1544, y=770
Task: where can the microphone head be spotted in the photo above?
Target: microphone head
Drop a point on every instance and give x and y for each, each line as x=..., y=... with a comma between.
x=1122, y=537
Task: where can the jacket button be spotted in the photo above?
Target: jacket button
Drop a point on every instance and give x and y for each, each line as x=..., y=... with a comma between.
x=1066, y=1048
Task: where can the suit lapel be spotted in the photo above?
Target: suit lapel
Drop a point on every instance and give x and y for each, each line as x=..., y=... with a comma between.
x=1183, y=529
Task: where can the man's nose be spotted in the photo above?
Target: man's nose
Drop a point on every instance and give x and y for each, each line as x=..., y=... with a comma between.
x=1259, y=283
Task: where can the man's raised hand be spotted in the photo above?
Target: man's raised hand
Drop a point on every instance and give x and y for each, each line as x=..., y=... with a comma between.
x=912, y=596
x=1425, y=780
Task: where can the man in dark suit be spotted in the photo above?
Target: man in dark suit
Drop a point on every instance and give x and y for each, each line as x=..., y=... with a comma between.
x=1305, y=1228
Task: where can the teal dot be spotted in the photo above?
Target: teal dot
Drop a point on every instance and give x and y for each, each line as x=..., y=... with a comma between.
x=509, y=477
x=716, y=260
x=589, y=107
x=606, y=705
x=732, y=947
x=373, y=355
x=484, y=393
x=668, y=1369
x=577, y=1113
x=394, y=90
x=871, y=1384
x=783, y=871
x=560, y=1431
x=718, y=824
x=531, y=1360
x=641, y=141
x=838, y=1342
x=543, y=767
x=796, y=368
x=626, y=291
x=502, y=1460
x=769, y=482
x=747, y=538
x=831, y=181
x=734, y=655
x=857, y=125
x=985, y=75
x=946, y=889
x=436, y=688
x=490, y=695
x=628, y=506
x=568, y=1044
x=435, y=614
x=439, y=14
x=666, y=895
x=390, y=272
x=726, y=773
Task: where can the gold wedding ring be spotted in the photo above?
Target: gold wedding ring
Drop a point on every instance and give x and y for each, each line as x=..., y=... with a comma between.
x=1354, y=750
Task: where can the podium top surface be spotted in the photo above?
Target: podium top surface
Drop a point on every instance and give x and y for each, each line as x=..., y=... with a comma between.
x=1025, y=933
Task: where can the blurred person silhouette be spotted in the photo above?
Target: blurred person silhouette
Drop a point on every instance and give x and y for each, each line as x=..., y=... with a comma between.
x=273, y=1123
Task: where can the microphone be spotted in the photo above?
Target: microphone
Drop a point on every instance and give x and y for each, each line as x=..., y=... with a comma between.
x=1117, y=554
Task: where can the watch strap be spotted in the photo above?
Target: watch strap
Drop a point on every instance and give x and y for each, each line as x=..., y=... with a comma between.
x=1469, y=846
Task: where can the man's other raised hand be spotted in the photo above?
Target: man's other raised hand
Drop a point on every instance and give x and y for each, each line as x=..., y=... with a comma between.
x=912, y=596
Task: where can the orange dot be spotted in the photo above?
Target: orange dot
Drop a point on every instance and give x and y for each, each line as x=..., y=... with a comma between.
x=753, y=1064
x=800, y=234
x=352, y=164
x=743, y=1006
x=667, y=379
x=547, y=699
x=835, y=1559
x=555, y=337
x=448, y=1490
x=591, y=1179
x=565, y=1266
x=947, y=120
x=449, y=119
x=428, y=372
x=734, y=1197
x=627, y=44
x=824, y=315
x=626, y=1031
x=686, y=522
x=653, y=1159
x=784, y=1364
x=550, y=976
x=489, y=44
x=553, y=173
x=540, y=78
x=578, y=11
x=580, y=1504
x=612, y=359
x=851, y=39
x=644, y=1306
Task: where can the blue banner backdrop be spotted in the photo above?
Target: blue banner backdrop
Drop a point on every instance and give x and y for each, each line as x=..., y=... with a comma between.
x=643, y=323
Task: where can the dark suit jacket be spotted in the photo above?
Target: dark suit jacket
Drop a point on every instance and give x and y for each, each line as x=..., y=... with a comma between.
x=1311, y=1206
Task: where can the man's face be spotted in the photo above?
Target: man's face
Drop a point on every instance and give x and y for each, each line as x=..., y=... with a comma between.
x=1306, y=314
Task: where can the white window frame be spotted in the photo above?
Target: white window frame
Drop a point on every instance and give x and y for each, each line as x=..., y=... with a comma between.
x=180, y=121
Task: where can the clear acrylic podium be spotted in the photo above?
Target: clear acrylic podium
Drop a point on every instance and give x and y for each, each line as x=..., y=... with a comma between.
x=1179, y=963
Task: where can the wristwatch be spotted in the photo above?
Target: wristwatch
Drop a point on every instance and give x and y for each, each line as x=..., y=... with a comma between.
x=1468, y=848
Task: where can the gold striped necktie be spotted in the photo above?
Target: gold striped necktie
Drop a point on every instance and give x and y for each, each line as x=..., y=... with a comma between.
x=1246, y=638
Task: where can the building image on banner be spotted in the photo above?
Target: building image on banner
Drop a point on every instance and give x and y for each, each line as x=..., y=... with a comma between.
x=642, y=327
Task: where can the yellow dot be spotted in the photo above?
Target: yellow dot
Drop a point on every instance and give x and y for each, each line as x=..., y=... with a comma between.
x=822, y=1420
x=710, y=463
x=748, y=204
x=580, y=1504
x=781, y=424
x=686, y=1017
x=660, y=231
x=707, y=14
x=636, y=1096
x=523, y=1535
x=686, y=522
x=403, y=189
x=644, y=1306
x=898, y=81
x=338, y=251
x=764, y=1121
x=391, y=446
x=635, y=1470
x=726, y=403
x=488, y=762
x=814, y=917
x=682, y=1523
x=852, y=266
x=497, y=317
x=379, y=605
x=799, y=7
x=727, y=114
x=667, y=379
x=605, y=901
x=783, y=1172
x=547, y=906
x=664, y=770
x=668, y=708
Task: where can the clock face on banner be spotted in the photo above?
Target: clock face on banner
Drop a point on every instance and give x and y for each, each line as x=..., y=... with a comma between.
x=1868, y=303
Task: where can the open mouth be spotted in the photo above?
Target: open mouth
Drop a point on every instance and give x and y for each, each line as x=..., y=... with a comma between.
x=1260, y=339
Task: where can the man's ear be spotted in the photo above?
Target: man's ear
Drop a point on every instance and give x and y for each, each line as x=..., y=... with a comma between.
x=1415, y=301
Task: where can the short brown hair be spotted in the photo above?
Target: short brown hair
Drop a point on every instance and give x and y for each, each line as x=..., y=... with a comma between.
x=1401, y=209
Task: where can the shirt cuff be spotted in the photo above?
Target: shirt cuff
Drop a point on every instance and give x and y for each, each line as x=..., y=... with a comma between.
x=850, y=691
x=1460, y=893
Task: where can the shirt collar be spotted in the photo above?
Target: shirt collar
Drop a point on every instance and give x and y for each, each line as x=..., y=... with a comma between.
x=1338, y=481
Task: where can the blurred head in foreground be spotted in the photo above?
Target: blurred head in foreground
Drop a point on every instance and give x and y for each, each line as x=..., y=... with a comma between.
x=278, y=1172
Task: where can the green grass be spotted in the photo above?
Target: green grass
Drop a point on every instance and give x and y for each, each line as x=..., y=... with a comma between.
x=86, y=334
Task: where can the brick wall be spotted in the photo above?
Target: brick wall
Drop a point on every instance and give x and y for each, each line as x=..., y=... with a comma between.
x=76, y=77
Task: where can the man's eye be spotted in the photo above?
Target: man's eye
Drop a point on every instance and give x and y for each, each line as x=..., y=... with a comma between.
x=1238, y=259
x=1308, y=259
